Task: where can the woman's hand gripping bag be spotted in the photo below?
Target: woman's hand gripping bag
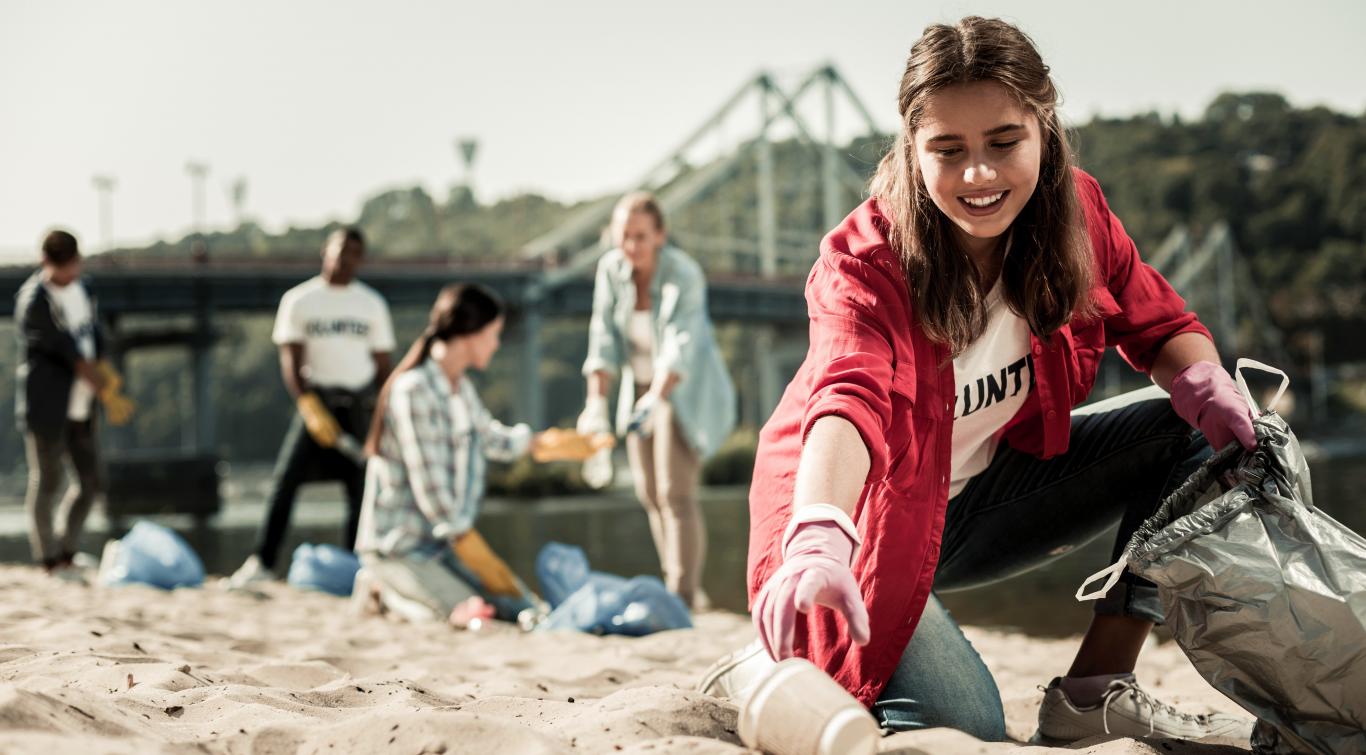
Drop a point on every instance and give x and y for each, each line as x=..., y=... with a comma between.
x=1263, y=592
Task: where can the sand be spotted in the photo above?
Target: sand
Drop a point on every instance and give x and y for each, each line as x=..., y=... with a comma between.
x=138, y=670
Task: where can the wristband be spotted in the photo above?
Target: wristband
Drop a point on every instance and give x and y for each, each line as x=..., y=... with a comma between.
x=823, y=512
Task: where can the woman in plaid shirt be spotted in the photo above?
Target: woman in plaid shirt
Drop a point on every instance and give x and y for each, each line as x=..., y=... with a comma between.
x=428, y=448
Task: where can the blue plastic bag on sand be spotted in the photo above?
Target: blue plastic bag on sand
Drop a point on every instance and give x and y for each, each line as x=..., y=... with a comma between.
x=151, y=554
x=608, y=604
x=561, y=569
x=590, y=601
x=325, y=568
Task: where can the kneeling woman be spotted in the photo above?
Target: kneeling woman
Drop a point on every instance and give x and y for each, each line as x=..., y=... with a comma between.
x=428, y=447
x=929, y=442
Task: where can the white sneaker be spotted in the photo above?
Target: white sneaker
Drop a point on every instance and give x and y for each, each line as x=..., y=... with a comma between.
x=1127, y=710
x=735, y=674
x=251, y=571
x=68, y=573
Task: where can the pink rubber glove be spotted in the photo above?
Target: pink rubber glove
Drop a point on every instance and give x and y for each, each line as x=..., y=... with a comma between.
x=815, y=571
x=1204, y=395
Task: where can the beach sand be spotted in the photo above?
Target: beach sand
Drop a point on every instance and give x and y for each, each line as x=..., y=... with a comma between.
x=137, y=670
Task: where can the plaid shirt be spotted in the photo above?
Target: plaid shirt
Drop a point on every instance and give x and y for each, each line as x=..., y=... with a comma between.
x=426, y=484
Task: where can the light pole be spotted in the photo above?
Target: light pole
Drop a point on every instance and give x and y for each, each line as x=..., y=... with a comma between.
x=104, y=187
x=468, y=148
x=238, y=191
x=198, y=172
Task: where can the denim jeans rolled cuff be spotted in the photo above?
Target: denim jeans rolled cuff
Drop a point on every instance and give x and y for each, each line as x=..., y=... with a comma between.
x=1134, y=597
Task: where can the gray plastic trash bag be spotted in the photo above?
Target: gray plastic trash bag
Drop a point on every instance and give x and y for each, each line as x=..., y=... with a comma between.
x=1263, y=592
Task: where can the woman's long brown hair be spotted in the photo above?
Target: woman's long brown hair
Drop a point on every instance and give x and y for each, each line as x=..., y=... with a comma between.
x=1046, y=278
x=460, y=309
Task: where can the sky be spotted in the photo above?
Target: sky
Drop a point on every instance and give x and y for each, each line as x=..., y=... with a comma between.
x=320, y=104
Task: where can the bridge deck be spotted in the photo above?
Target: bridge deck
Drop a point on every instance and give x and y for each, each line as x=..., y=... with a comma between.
x=237, y=285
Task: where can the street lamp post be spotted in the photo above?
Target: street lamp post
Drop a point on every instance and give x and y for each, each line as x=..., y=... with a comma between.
x=198, y=172
x=104, y=187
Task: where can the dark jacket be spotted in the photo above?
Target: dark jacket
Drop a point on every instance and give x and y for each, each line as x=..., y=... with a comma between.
x=47, y=364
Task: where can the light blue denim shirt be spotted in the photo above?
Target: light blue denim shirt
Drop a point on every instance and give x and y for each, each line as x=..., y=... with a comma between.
x=704, y=399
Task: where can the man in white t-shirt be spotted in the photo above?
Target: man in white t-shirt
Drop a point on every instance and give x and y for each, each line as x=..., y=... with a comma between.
x=57, y=382
x=335, y=339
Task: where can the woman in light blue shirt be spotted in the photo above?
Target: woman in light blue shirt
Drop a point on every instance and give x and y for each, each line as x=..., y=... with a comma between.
x=676, y=402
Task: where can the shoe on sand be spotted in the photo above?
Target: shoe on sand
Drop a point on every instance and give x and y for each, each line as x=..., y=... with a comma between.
x=68, y=572
x=251, y=572
x=735, y=674
x=1127, y=710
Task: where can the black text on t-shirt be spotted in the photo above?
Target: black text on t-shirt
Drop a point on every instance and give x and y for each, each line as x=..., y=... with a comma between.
x=339, y=327
x=993, y=387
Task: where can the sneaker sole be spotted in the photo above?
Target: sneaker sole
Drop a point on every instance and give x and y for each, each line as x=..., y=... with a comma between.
x=724, y=666
x=1043, y=741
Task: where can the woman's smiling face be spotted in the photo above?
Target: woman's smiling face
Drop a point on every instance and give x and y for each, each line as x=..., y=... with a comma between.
x=978, y=152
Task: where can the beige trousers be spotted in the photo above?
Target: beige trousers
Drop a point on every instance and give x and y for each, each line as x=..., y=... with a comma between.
x=666, y=472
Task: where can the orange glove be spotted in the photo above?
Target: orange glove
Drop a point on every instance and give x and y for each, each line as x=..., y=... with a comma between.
x=319, y=422
x=118, y=408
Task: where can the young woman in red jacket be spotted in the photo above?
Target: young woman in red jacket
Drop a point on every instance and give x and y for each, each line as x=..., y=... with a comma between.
x=928, y=441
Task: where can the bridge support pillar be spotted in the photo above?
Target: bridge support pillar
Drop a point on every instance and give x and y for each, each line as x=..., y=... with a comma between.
x=201, y=352
x=767, y=371
x=530, y=393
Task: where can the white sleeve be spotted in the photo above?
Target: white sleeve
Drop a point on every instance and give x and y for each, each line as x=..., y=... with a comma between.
x=382, y=331
x=289, y=326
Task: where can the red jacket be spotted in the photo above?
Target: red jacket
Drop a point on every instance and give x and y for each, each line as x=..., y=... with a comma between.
x=869, y=362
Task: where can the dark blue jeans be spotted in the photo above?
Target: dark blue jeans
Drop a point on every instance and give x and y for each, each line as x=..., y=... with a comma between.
x=1125, y=455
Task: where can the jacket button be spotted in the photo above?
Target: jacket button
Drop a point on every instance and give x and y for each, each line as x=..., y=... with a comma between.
x=1052, y=415
x=1037, y=349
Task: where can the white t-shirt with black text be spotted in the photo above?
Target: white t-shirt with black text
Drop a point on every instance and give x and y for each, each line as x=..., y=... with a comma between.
x=74, y=313
x=994, y=376
x=340, y=328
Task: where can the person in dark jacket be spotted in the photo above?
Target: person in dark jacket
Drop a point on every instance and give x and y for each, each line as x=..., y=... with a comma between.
x=58, y=380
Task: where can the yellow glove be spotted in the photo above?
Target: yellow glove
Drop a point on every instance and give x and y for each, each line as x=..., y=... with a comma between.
x=319, y=422
x=118, y=408
x=113, y=381
x=479, y=558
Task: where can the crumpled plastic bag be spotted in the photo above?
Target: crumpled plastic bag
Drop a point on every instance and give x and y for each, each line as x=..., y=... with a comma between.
x=326, y=568
x=1263, y=592
x=151, y=554
x=561, y=569
x=598, y=603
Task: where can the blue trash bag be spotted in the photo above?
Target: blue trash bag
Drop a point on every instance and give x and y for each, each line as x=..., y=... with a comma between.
x=151, y=554
x=325, y=568
x=561, y=569
x=607, y=604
